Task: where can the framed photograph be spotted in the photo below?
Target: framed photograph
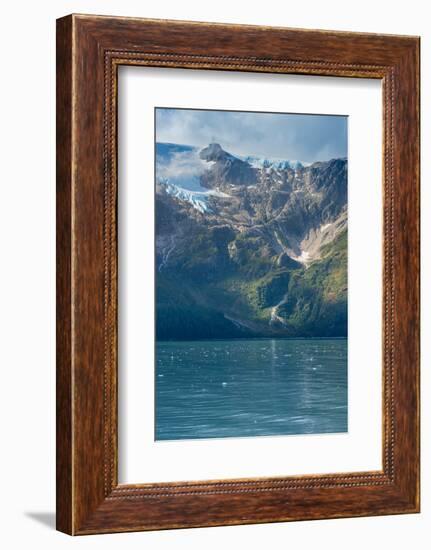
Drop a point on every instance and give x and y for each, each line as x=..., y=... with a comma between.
x=237, y=274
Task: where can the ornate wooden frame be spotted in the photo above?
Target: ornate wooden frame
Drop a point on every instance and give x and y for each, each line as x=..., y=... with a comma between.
x=89, y=51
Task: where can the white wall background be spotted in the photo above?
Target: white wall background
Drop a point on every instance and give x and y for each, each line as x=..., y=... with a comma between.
x=27, y=280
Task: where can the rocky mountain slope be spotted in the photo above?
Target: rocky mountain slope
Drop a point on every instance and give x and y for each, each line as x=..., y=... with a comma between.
x=249, y=247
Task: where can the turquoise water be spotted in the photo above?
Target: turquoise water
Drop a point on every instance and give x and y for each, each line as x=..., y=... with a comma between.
x=240, y=388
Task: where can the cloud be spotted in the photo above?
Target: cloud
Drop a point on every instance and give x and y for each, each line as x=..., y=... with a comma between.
x=287, y=136
x=181, y=165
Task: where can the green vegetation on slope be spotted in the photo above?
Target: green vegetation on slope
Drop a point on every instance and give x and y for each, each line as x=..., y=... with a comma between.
x=316, y=301
x=235, y=298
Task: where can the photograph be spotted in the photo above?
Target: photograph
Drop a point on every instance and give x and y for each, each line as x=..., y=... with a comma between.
x=251, y=273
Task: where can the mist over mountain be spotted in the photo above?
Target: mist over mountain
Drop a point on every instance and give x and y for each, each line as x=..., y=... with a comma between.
x=249, y=246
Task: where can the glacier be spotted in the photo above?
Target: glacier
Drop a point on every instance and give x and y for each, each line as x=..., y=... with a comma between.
x=198, y=199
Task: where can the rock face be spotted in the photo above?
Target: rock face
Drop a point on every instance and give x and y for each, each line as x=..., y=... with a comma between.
x=247, y=248
x=225, y=170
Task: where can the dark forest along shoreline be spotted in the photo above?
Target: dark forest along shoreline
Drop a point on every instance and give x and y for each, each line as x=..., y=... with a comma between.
x=250, y=387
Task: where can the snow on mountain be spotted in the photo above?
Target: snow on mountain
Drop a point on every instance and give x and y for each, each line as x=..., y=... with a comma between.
x=275, y=163
x=193, y=174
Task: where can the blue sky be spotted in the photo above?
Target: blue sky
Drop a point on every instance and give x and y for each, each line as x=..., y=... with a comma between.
x=288, y=136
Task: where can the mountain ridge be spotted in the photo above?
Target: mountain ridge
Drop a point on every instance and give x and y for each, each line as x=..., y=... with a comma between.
x=249, y=250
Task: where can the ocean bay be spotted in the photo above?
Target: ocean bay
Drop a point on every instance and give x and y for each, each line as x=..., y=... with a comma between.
x=250, y=387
